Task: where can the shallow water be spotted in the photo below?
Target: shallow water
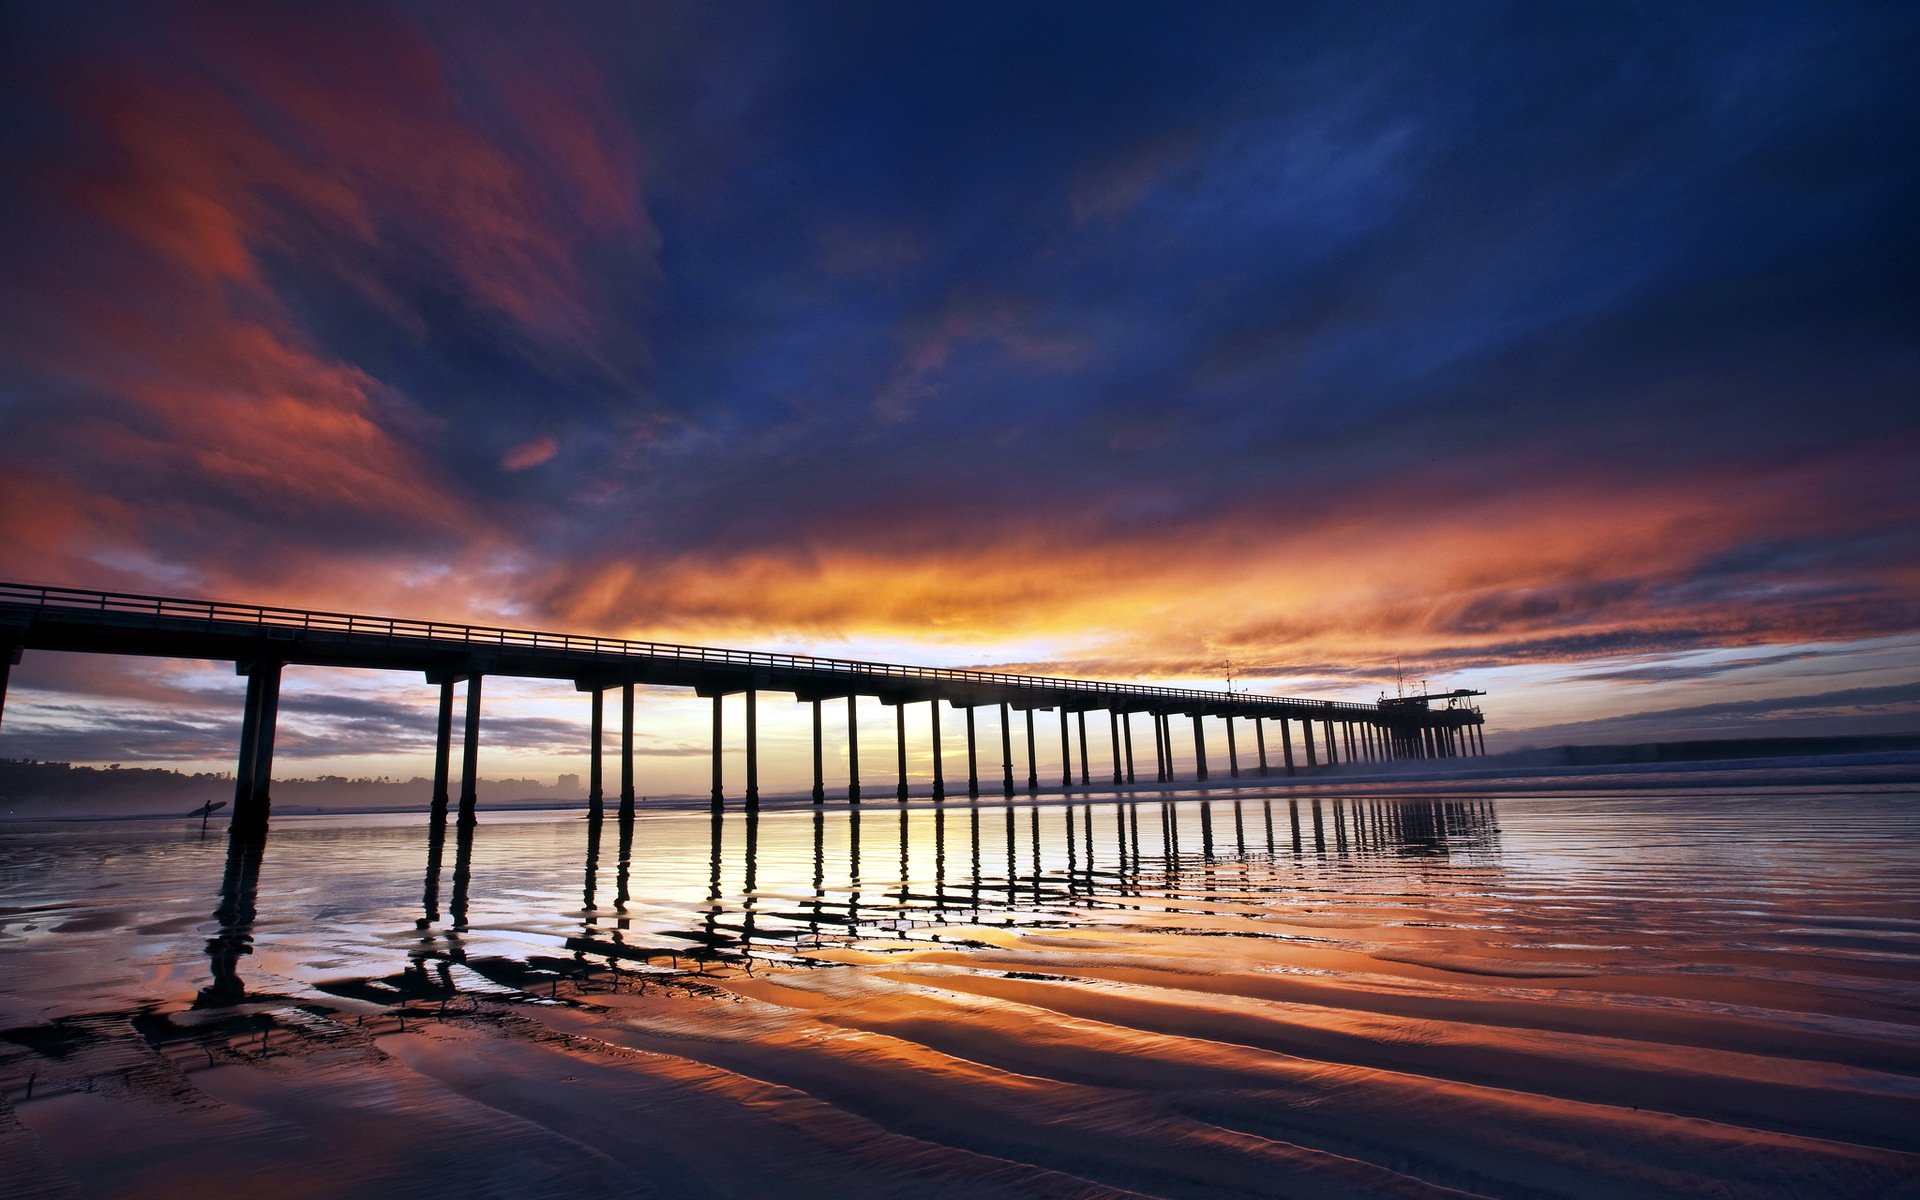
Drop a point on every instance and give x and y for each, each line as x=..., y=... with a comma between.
x=1586, y=996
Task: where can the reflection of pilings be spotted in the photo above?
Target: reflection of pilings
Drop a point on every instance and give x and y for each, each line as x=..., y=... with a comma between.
x=819, y=864
x=470, y=753
x=905, y=871
x=1266, y=812
x=239, y=888
x=973, y=885
x=1073, y=851
x=443, y=752
x=1239, y=829
x=462, y=873
x=1033, y=821
x=1319, y=829
x=751, y=879
x=1206, y=830
x=940, y=860
x=430, y=895
x=623, y=878
x=1012, y=863
x=590, y=888
x=716, y=830
x=1006, y=749
x=853, y=864
x=853, y=752
x=1293, y=815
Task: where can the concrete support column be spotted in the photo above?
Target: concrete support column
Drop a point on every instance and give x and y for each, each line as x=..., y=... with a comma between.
x=443, y=752
x=819, y=760
x=1286, y=744
x=1080, y=719
x=1066, y=751
x=1346, y=734
x=1126, y=731
x=853, y=750
x=939, y=767
x=1326, y=730
x=249, y=737
x=1113, y=727
x=9, y=655
x=596, y=735
x=900, y=736
x=1006, y=749
x=1233, y=751
x=470, y=753
x=1199, y=748
x=1033, y=768
x=626, y=750
x=263, y=743
x=718, y=762
x=1260, y=736
x=1163, y=741
x=973, y=759
x=1306, y=740
x=753, y=749
x=254, y=772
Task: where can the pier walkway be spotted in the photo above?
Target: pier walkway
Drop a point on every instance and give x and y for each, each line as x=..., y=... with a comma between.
x=262, y=640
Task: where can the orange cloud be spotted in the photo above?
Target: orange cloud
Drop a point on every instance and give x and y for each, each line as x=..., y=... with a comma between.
x=531, y=454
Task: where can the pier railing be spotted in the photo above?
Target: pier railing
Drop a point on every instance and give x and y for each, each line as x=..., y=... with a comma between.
x=173, y=612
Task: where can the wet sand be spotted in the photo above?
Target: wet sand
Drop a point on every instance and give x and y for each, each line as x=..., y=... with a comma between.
x=1641, y=994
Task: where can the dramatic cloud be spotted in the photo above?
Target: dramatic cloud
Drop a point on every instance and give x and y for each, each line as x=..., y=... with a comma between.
x=1310, y=338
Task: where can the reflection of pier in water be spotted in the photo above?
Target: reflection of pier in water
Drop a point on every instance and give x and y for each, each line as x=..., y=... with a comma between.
x=1014, y=866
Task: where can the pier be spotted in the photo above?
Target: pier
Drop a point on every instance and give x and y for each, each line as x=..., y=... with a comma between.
x=261, y=641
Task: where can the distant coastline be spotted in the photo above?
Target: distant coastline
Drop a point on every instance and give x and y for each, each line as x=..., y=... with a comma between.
x=34, y=790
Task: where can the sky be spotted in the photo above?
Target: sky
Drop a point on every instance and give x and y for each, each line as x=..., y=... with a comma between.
x=1565, y=351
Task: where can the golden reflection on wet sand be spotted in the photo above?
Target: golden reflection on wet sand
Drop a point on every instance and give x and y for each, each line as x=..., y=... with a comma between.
x=1580, y=996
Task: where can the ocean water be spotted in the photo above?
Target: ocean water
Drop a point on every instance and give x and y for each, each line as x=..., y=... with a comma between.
x=1265, y=995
